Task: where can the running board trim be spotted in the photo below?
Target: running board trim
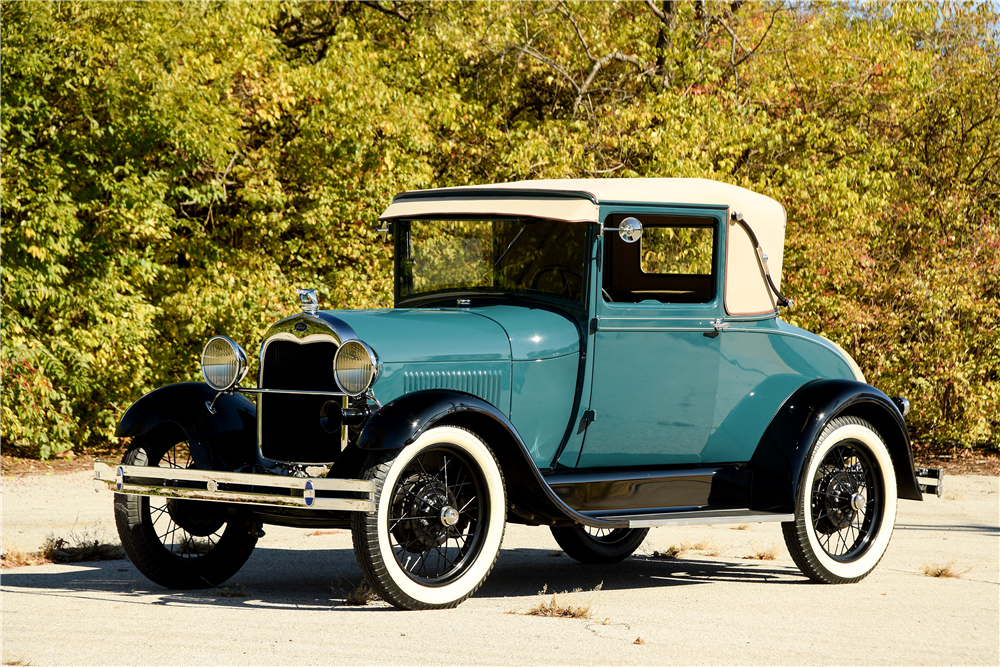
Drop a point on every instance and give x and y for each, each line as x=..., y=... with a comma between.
x=701, y=518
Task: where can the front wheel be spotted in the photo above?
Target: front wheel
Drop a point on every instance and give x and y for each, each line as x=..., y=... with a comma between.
x=440, y=509
x=175, y=542
x=599, y=545
x=845, y=505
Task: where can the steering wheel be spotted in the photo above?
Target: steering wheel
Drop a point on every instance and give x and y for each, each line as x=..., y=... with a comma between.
x=563, y=271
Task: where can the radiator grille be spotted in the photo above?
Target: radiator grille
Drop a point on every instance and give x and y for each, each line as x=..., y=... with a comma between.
x=289, y=424
x=484, y=384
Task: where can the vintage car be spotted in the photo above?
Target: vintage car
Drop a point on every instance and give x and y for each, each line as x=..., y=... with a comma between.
x=595, y=356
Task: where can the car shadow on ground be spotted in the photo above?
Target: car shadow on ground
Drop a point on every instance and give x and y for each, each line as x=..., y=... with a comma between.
x=320, y=579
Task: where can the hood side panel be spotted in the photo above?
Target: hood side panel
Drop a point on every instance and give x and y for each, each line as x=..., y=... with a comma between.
x=490, y=380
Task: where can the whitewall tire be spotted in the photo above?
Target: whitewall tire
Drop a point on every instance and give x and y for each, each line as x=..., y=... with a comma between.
x=845, y=504
x=439, y=520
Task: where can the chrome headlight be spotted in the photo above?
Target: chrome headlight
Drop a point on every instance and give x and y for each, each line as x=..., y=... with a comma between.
x=223, y=363
x=355, y=367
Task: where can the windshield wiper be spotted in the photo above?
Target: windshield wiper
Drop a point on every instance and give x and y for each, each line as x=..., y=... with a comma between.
x=497, y=263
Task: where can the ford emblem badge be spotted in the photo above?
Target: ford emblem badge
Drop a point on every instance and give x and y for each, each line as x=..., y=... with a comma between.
x=301, y=326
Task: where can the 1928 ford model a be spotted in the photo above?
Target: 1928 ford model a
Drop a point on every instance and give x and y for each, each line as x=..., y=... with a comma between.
x=596, y=356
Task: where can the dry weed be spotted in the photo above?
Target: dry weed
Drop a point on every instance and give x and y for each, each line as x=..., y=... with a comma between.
x=355, y=596
x=15, y=557
x=946, y=571
x=20, y=660
x=760, y=553
x=556, y=608
x=58, y=550
x=673, y=551
x=742, y=526
x=237, y=591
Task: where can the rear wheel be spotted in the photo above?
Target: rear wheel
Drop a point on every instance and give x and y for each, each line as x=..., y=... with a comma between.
x=440, y=510
x=180, y=543
x=845, y=506
x=599, y=545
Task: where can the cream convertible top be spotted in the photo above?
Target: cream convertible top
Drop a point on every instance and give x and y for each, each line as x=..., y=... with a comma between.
x=579, y=200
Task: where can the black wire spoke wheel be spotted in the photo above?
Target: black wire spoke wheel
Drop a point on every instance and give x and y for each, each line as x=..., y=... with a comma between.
x=846, y=507
x=594, y=545
x=175, y=542
x=439, y=519
x=845, y=504
x=185, y=528
x=436, y=516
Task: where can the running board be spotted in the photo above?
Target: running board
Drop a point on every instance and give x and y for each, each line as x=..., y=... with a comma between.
x=699, y=518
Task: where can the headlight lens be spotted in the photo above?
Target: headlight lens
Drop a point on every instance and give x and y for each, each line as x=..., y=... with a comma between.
x=223, y=363
x=355, y=367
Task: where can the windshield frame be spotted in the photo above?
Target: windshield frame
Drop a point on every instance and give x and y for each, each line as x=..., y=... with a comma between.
x=400, y=230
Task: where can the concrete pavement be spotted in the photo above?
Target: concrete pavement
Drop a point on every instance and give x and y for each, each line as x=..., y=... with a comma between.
x=712, y=606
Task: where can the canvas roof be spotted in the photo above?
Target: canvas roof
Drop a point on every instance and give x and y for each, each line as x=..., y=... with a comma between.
x=579, y=200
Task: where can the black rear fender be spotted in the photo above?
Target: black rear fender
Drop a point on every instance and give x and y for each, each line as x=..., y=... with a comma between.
x=225, y=440
x=781, y=454
x=402, y=421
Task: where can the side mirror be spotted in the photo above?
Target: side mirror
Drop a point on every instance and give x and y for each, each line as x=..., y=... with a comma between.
x=630, y=230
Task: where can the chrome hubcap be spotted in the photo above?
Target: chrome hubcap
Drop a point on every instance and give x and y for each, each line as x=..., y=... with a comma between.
x=449, y=516
x=857, y=501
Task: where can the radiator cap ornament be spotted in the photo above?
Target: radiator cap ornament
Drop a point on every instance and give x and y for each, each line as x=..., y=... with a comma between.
x=309, y=300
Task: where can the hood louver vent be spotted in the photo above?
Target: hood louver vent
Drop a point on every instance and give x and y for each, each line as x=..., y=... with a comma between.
x=484, y=384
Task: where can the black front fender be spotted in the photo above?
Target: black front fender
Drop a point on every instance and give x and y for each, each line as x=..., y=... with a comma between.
x=778, y=462
x=225, y=440
x=530, y=498
x=403, y=420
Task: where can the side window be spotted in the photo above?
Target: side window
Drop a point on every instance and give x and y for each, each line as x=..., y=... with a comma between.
x=673, y=262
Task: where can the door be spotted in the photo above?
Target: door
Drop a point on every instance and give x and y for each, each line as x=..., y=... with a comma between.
x=655, y=349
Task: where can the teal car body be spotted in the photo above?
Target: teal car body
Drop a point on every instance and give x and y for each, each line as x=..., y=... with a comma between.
x=596, y=356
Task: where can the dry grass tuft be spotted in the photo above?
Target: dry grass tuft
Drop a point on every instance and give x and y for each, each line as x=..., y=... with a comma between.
x=20, y=660
x=556, y=608
x=15, y=557
x=759, y=553
x=355, y=596
x=58, y=550
x=237, y=591
x=946, y=571
x=673, y=551
x=742, y=526
x=678, y=550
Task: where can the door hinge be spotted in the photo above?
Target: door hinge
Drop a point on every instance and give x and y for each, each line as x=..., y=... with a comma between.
x=595, y=324
x=589, y=417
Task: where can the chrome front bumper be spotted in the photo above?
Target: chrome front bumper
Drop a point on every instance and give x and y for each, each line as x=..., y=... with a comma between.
x=236, y=487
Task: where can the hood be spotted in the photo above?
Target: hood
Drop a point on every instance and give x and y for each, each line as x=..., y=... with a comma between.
x=489, y=333
x=419, y=335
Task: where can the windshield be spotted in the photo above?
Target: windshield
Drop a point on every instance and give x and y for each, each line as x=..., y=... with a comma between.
x=501, y=255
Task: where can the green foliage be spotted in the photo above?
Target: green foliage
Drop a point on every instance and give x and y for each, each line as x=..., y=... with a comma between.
x=174, y=170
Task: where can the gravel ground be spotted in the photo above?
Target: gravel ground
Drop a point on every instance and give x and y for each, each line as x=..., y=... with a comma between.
x=711, y=606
